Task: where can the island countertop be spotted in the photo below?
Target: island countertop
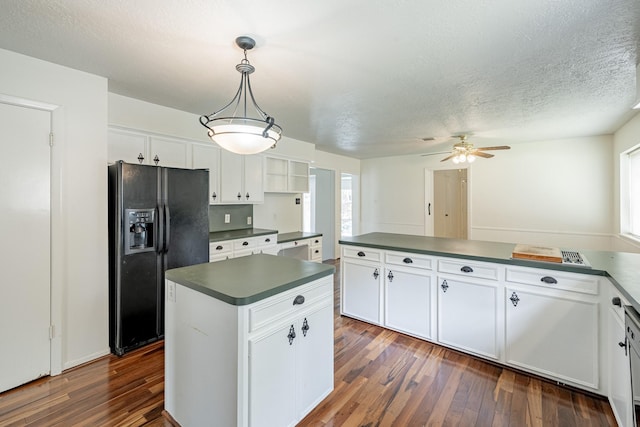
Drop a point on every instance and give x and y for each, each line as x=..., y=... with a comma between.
x=248, y=279
x=622, y=268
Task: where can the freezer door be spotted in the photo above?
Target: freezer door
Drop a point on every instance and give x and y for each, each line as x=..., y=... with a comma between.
x=134, y=278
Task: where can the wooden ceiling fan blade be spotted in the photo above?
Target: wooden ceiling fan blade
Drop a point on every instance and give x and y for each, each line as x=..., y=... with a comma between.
x=498, y=147
x=448, y=157
x=481, y=154
x=434, y=154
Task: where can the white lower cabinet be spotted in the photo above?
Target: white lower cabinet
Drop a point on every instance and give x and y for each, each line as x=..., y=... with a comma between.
x=618, y=367
x=468, y=315
x=290, y=369
x=407, y=295
x=221, y=250
x=552, y=324
x=361, y=290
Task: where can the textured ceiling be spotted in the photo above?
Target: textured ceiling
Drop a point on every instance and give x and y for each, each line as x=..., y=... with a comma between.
x=364, y=78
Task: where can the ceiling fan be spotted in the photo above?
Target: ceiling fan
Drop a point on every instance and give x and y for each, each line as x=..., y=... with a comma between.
x=464, y=151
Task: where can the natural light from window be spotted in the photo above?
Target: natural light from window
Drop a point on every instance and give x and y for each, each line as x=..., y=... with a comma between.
x=346, y=209
x=634, y=192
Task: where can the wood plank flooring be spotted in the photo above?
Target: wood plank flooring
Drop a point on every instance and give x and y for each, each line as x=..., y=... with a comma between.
x=382, y=378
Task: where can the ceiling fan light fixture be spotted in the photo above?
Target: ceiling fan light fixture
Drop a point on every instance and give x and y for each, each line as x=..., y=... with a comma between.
x=240, y=133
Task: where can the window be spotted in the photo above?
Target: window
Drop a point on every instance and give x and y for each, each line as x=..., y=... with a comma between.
x=634, y=192
x=346, y=209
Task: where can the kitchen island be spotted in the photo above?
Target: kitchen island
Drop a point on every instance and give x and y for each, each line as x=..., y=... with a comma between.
x=248, y=341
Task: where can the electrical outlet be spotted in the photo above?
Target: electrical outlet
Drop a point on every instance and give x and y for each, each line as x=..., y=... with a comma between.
x=227, y=218
x=171, y=291
x=248, y=220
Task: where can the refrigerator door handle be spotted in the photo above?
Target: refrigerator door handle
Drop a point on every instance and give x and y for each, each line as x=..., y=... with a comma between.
x=167, y=228
x=159, y=238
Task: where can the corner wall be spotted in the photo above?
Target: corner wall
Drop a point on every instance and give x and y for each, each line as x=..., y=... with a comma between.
x=79, y=246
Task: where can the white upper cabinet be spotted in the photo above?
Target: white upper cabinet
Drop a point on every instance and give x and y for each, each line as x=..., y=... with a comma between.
x=241, y=178
x=138, y=147
x=127, y=146
x=208, y=157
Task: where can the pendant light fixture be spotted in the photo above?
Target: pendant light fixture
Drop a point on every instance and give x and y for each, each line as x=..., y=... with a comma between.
x=238, y=132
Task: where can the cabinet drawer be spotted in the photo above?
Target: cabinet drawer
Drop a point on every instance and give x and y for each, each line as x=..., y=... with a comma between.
x=242, y=244
x=219, y=248
x=362, y=253
x=270, y=310
x=315, y=242
x=315, y=254
x=294, y=244
x=552, y=279
x=270, y=240
x=469, y=269
x=409, y=260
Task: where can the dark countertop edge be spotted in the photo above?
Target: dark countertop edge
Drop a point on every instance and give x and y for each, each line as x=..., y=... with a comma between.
x=218, y=236
x=594, y=270
x=256, y=297
x=297, y=235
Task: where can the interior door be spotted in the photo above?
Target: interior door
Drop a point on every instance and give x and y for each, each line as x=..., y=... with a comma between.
x=450, y=203
x=25, y=306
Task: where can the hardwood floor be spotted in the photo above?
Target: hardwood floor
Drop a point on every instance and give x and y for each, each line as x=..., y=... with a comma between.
x=382, y=378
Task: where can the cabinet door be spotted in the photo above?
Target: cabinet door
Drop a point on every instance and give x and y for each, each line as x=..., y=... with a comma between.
x=314, y=358
x=208, y=157
x=169, y=153
x=408, y=302
x=272, y=378
x=619, y=376
x=361, y=291
x=467, y=316
x=129, y=147
x=230, y=177
x=253, y=179
x=554, y=334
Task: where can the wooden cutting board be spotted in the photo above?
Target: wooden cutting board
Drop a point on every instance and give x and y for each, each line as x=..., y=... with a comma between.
x=537, y=253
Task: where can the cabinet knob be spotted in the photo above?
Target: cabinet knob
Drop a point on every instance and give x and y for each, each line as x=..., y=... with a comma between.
x=305, y=327
x=156, y=159
x=267, y=240
x=292, y=335
x=549, y=280
x=239, y=196
x=214, y=195
x=466, y=269
x=444, y=286
x=390, y=276
x=299, y=300
x=219, y=248
x=514, y=299
x=376, y=274
x=245, y=243
x=140, y=158
x=407, y=261
x=361, y=254
x=616, y=301
x=247, y=196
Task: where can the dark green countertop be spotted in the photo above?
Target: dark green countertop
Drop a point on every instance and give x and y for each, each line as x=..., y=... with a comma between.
x=219, y=236
x=296, y=235
x=245, y=280
x=622, y=268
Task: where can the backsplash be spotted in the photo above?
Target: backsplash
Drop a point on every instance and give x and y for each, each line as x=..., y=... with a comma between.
x=238, y=215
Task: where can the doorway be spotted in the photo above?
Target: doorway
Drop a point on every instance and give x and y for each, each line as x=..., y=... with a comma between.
x=25, y=256
x=321, y=218
x=450, y=203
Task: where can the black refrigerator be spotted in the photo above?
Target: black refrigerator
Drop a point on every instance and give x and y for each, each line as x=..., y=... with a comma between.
x=158, y=219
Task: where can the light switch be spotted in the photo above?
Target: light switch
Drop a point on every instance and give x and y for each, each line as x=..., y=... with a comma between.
x=227, y=218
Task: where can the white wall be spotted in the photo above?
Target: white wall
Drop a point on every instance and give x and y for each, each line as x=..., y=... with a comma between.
x=79, y=246
x=555, y=193
x=625, y=138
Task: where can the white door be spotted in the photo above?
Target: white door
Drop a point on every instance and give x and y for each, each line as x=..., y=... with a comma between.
x=25, y=250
